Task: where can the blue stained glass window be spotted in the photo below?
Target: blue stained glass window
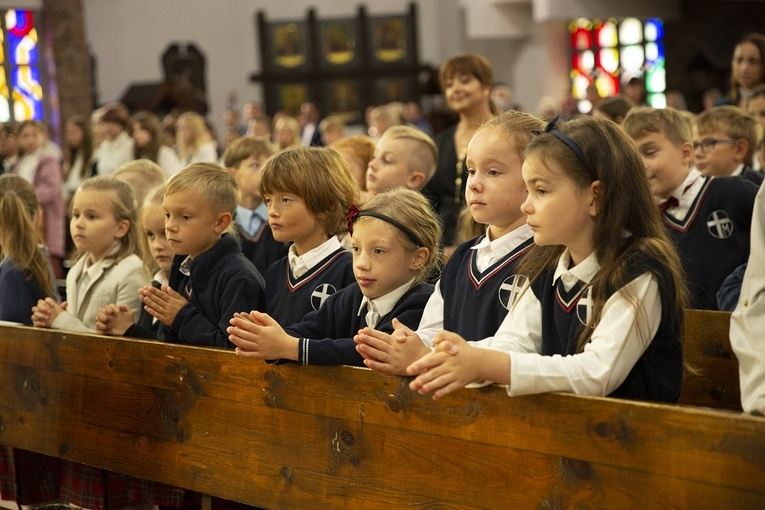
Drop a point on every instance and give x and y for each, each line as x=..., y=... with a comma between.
x=21, y=90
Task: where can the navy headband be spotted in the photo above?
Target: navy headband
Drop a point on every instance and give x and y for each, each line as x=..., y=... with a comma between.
x=550, y=128
x=354, y=214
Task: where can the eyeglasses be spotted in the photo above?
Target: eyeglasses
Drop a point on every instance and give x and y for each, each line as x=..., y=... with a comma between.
x=709, y=144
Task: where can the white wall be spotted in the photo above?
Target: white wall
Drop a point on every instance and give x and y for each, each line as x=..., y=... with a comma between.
x=128, y=38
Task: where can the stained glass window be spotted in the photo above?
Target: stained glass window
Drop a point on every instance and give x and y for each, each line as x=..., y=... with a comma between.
x=21, y=90
x=610, y=52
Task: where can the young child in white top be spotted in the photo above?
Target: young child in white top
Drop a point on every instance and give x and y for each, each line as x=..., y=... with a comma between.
x=109, y=268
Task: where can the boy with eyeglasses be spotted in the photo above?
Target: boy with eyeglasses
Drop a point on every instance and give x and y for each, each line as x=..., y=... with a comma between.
x=708, y=217
x=725, y=142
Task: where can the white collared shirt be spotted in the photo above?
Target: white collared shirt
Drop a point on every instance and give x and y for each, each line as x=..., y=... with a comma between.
x=738, y=171
x=299, y=265
x=615, y=346
x=487, y=253
x=685, y=194
x=382, y=305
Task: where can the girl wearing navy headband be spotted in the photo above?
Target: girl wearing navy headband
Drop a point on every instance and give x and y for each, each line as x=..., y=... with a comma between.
x=603, y=312
x=394, y=241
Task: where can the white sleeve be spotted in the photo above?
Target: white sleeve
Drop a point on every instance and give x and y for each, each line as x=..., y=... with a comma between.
x=432, y=317
x=616, y=345
x=521, y=329
x=747, y=322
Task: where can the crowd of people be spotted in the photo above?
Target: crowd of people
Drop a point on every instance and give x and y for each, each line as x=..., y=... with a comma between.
x=542, y=254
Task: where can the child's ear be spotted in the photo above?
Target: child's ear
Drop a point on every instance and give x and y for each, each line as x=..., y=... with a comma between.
x=687, y=149
x=224, y=220
x=741, y=148
x=416, y=180
x=419, y=258
x=123, y=227
x=595, y=192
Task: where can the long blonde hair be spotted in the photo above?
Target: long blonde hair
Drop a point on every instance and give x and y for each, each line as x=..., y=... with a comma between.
x=20, y=240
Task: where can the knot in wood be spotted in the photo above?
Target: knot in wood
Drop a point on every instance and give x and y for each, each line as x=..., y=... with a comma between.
x=575, y=470
x=286, y=473
x=394, y=404
x=347, y=438
x=611, y=428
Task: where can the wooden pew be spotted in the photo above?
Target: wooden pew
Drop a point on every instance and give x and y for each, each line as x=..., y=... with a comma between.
x=711, y=375
x=308, y=437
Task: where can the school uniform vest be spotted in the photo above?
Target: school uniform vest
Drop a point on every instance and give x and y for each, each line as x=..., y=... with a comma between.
x=752, y=175
x=261, y=249
x=326, y=335
x=289, y=299
x=475, y=302
x=658, y=374
x=713, y=237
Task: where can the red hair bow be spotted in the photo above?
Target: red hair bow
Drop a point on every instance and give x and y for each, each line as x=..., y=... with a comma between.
x=353, y=213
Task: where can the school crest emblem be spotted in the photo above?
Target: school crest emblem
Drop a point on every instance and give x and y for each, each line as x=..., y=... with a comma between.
x=510, y=289
x=720, y=225
x=320, y=294
x=584, y=306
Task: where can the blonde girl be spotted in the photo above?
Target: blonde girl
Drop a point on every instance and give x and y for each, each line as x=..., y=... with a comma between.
x=108, y=267
x=394, y=241
x=474, y=292
x=194, y=142
x=603, y=312
x=118, y=319
x=25, y=272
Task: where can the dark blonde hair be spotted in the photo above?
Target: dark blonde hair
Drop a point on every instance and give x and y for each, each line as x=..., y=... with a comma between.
x=413, y=210
x=209, y=181
x=516, y=127
x=245, y=147
x=142, y=175
x=734, y=122
x=199, y=134
x=153, y=199
x=424, y=156
x=20, y=240
x=121, y=200
x=628, y=221
x=644, y=120
x=320, y=176
x=469, y=63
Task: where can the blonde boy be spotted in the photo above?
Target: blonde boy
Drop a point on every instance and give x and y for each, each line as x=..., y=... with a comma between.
x=210, y=279
x=725, y=141
x=243, y=159
x=404, y=156
x=708, y=217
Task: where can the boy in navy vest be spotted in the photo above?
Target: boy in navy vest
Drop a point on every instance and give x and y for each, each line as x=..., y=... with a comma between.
x=243, y=159
x=707, y=217
x=725, y=142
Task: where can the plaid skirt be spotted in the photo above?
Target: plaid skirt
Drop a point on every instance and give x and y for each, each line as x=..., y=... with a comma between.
x=32, y=478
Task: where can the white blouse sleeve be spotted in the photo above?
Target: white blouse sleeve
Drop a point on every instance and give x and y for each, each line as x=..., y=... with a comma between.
x=617, y=343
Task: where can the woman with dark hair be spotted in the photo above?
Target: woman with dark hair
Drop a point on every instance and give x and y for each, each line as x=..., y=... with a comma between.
x=466, y=81
x=747, y=69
